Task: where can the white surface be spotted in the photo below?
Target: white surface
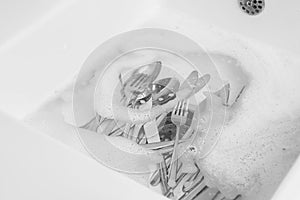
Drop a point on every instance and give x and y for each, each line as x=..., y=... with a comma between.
x=289, y=188
x=278, y=25
x=38, y=52
x=40, y=57
x=36, y=167
x=16, y=15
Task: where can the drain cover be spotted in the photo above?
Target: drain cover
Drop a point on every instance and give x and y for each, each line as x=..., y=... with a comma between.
x=252, y=7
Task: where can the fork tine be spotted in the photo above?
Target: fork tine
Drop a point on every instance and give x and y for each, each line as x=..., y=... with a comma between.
x=141, y=80
x=173, y=112
x=146, y=78
x=178, y=108
x=182, y=112
x=136, y=79
x=186, y=108
x=175, y=109
x=183, y=108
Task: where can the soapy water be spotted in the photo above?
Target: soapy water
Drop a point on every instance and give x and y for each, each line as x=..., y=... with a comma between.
x=107, y=98
x=248, y=157
x=146, y=46
x=170, y=62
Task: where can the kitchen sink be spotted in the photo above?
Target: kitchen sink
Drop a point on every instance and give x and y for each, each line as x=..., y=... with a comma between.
x=45, y=50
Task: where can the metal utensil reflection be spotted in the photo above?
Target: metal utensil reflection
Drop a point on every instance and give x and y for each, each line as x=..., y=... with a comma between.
x=139, y=81
x=179, y=118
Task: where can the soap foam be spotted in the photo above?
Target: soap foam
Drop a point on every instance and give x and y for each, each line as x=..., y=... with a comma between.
x=249, y=155
x=267, y=115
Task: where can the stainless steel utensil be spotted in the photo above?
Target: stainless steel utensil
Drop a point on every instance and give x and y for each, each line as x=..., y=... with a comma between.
x=179, y=118
x=155, y=178
x=218, y=196
x=200, y=187
x=150, y=128
x=94, y=123
x=224, y=93
x=163, y=176
x=189, y=185
x=164, y=90
x=137, y=84
x=160, y=145
x=140, y=79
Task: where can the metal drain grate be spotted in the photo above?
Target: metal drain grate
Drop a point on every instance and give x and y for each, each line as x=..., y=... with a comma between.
x=252, y=7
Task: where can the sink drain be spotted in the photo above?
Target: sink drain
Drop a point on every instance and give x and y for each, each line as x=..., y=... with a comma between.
x=252, y=7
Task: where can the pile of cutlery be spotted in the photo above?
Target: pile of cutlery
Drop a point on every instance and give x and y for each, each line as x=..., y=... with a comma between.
x=141, y=91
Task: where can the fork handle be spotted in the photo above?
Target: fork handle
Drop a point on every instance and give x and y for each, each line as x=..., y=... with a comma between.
x=174, y=161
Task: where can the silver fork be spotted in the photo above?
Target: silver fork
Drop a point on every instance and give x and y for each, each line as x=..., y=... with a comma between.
x=140, y=79
x=129, y=91
x=179, y=118
x=135, y=86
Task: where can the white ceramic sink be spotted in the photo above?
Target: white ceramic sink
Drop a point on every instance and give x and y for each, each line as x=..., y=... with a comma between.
x=43, y=44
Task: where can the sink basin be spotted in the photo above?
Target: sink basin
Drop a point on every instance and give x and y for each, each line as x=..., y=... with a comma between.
x=43, y=52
